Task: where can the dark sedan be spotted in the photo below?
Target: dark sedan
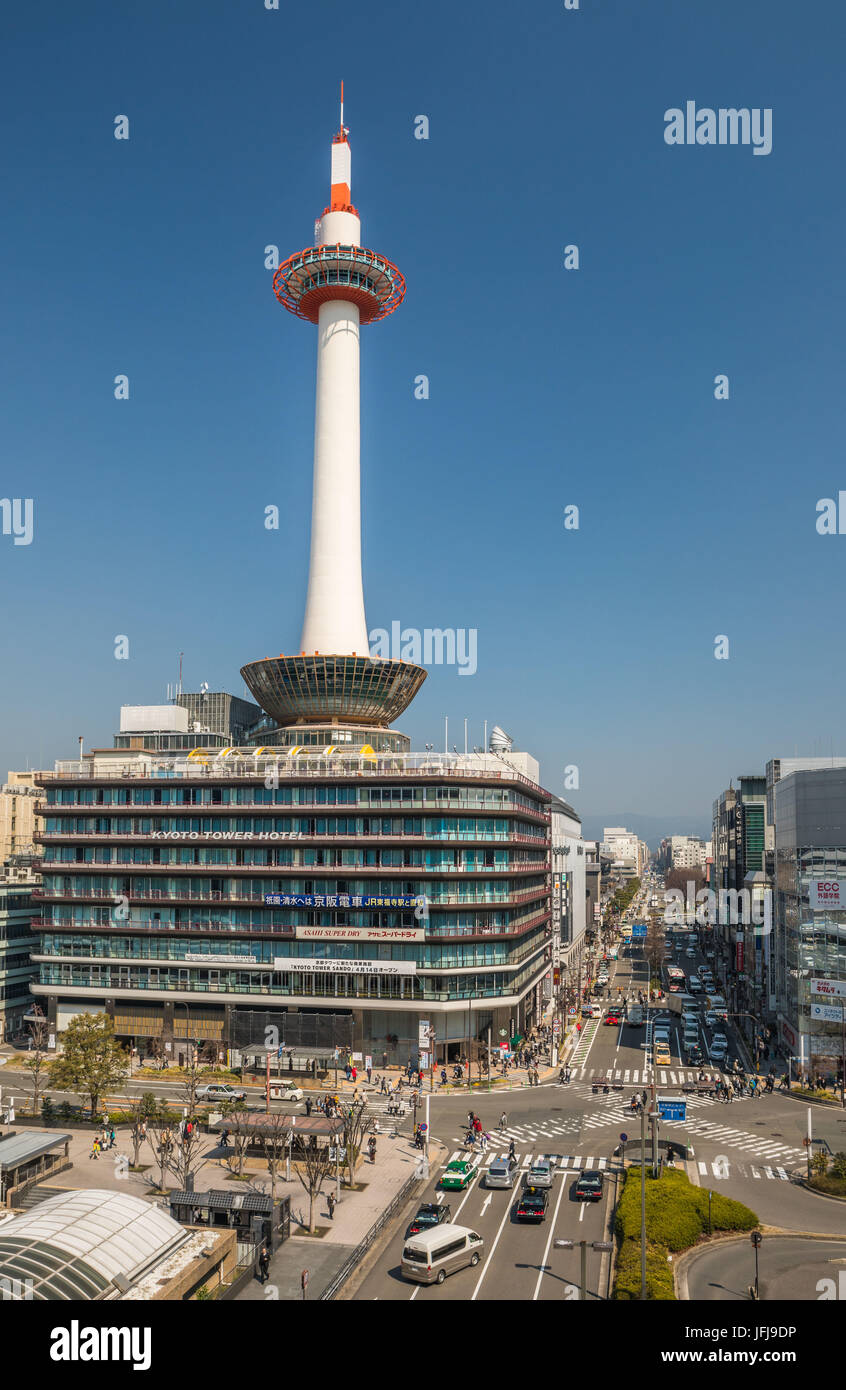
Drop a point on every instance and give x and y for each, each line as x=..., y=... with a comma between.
x=532, y=1204
x=429, y=1215
x=588, y=1188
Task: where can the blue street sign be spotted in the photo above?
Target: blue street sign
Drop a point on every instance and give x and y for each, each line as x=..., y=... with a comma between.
x=639, y=929
x=624, y=1138
x=673, y=1110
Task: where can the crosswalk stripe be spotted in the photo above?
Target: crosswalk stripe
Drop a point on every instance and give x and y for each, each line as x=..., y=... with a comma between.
x=783, y=1175
x=627, y=1075
x=754, y=1171
x=703, y=1169
x=602, y=1162
x=769, y=1172
x=527, y=1161
x=589, y=1162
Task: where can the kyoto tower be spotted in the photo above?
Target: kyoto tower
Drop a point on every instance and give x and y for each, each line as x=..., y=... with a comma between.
x=338, y=285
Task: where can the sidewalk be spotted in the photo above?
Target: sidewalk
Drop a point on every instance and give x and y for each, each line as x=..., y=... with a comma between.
x=323, y=1255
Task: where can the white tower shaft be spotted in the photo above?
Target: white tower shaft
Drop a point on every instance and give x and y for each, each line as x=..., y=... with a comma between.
x=334, y=621
x=334, y=615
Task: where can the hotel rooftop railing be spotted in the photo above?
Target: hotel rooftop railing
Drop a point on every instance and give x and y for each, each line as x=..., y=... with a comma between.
x=305, y=765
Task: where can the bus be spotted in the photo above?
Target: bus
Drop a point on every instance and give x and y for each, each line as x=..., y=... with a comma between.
x=673, y=978
x=626, y=933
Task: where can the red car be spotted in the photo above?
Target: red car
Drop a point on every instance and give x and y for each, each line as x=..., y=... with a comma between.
x=612, y=1017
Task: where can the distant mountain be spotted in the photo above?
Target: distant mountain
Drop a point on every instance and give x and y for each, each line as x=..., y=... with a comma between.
x=652, y=829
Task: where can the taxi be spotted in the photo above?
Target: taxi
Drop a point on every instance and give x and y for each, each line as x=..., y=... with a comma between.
x=460, y=1173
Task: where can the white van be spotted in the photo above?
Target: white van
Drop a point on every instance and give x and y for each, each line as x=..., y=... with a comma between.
x=429, y=1257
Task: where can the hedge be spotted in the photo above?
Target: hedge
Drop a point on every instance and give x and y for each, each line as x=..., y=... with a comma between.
x=676, y=1218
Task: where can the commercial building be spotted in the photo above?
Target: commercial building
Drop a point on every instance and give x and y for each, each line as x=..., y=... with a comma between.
x=18, y=880
x=687, y=852
x=810, y=914
x=626, y=852
x=569, y=896
x=17, y=814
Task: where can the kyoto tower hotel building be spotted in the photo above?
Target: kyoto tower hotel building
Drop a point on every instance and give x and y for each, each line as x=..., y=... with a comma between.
x=316, y=873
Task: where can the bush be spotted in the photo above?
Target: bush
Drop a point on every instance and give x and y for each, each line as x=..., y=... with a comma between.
x=65, y=1112
x=838, y=1165
x=676, y=1218
x=48, y=1113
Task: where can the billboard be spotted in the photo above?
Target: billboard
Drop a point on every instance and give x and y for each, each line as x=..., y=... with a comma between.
x=825, y=894
x=835, y=989
x=344, y=967
x=339, y=900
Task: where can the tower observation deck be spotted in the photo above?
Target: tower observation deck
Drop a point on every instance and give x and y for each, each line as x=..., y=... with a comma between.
x=338, y=285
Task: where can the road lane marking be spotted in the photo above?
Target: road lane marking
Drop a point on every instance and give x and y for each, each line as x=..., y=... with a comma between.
x=549, y=1242
x=505, y=1216
x=582, y=1211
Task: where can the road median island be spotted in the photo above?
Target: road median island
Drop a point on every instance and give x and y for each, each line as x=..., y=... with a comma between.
x=676, y=1221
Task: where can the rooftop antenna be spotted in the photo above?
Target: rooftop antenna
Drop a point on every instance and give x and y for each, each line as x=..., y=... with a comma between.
x=342, y=106
x=179, y=688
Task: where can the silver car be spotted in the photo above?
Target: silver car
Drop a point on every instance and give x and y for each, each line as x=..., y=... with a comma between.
x=540, y=1173
x=501, y=1173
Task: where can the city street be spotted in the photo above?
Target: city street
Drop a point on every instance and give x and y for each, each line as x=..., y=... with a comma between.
x=750, y=1149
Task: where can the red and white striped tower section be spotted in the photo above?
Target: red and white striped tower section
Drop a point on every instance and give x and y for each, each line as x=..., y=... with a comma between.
x=338, y=285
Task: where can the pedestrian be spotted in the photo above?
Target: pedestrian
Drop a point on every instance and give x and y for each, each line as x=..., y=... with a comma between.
x=308, y=1105
x=354, y=1074
x=369, y=1075
x=95, y=1148
x=503, y=1121
x=383, y=1085
x=330, y=1202
x=348, y=1071
x=443, y=1076
x=264, y=1264
x=112, y=1137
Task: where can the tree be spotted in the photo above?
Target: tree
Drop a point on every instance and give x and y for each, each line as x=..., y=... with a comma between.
x=92, y=1059
x=356, y=1124
x=192, y=1075
x=240, y=1134
x=160, y=1135
x=186, y=1154
x=36, y=1062
x=140, y=1110
x=313, y=1167
x=276, y=1130
x=653, y=947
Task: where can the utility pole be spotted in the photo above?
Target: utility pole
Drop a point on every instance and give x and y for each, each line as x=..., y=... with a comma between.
x=643, y=1203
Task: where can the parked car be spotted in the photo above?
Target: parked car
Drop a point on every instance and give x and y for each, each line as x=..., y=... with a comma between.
x=588, y=1187
x=532, y=1204
x=460, y=1173
x=219, y=1090
x=429, y=1215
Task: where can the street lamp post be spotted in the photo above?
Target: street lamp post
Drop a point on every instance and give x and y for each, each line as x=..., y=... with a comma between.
x=756, y=1239
x=601, y=1245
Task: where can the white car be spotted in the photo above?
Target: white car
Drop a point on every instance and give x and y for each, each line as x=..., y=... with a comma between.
x=719, y=1040
x=285, y=1090
x=219, y=1090
x=540, y=1174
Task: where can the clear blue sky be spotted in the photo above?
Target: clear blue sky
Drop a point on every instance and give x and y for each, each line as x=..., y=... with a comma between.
x=548, y=387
